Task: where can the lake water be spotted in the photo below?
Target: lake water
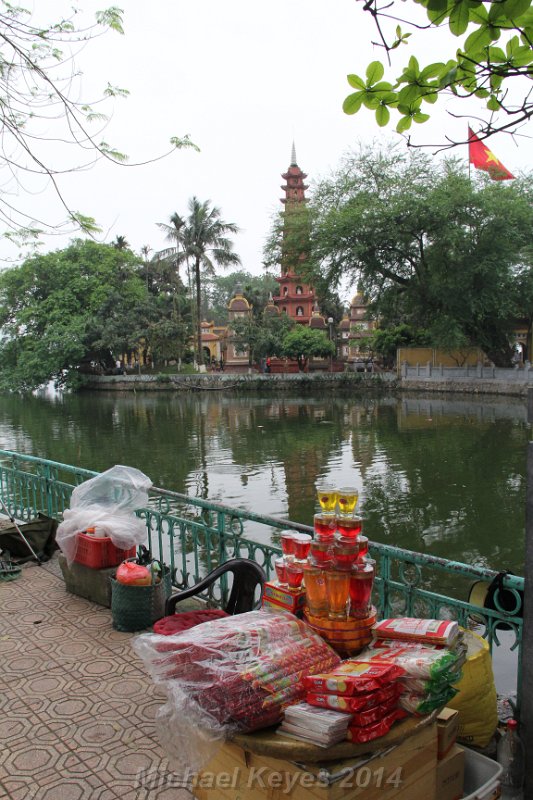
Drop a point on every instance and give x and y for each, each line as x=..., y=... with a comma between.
x=439, y=475
x=442, y=476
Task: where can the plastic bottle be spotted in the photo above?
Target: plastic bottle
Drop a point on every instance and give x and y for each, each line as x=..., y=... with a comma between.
x=511, y=758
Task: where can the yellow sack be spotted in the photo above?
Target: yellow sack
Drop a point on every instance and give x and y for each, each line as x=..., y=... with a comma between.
x=476, y=698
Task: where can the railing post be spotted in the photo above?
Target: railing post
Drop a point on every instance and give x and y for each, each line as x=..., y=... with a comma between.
x=526, y=689
x=49, y=493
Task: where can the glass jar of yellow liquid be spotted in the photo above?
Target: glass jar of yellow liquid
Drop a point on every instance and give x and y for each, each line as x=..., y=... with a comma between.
x=327, y=497
x=347, y=498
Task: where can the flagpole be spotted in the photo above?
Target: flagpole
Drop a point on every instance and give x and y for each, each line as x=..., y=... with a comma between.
x=468, y=137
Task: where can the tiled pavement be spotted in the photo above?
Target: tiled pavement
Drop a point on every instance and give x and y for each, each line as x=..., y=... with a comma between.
x=76, y=707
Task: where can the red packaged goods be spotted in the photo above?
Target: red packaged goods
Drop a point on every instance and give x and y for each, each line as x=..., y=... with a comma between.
x=372, y=715
x=368, y=732
x=353, y=677
x=232, y=674
x=424, y=631
x=416, y=660
x=360, y=702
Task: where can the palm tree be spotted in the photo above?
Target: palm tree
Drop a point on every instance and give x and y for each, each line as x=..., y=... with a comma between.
x=201, y=241
x=121, y=243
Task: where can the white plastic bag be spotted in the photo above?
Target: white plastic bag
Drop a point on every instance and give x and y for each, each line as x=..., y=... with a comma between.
x=107, y=501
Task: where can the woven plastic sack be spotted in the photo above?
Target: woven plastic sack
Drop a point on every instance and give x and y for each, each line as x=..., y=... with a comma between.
x=136, y=608
x=476, y=699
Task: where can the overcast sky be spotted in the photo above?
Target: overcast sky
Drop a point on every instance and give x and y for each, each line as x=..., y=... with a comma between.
x=244, y=80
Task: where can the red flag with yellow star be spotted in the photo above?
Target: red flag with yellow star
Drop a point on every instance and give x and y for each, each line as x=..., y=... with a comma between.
x=482, y=158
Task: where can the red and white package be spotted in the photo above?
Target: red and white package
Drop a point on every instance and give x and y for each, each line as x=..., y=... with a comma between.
x=372, y=715
x=353, y=677
x=424, y=631
x=358, y=702
x=366, y=733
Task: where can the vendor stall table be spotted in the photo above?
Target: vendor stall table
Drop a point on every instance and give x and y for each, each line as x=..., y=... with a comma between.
x=267, y=766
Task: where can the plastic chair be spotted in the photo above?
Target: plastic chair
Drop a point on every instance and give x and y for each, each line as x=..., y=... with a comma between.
x=247, y=576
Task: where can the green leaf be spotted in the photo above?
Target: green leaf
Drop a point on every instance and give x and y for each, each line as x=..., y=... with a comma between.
x=404, y=124
x=374, y=72
x=353, y=103
x=482, y=93
x=496, y=55
x=477, y=40
x=409, y=94
x=111, y=18
x=183, y=142
x=419, y=117
x=515, y=8
x=87, y=224
x=522, y=57
x=437, y=5
x=459, y=18
x=438, y=16
x=370, y=101
x=382, y=86
x=388, y=98
x=356, y=82
x=512, y=45
x=432, y=97
x=382, y=116
x=414, y=66
x=432, y=71
x=493, y=103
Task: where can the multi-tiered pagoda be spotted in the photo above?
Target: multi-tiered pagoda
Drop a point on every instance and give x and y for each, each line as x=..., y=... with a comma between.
x=295, y=297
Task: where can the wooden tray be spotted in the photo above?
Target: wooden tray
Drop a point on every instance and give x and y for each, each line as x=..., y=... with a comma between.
x=269, y=743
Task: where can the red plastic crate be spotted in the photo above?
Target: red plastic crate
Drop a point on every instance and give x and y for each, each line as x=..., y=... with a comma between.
x=97, y=552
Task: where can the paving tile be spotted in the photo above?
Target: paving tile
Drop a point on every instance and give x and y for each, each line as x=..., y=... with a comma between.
x=77, y=709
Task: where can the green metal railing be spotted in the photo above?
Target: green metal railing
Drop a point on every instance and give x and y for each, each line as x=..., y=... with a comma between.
x=193, y=536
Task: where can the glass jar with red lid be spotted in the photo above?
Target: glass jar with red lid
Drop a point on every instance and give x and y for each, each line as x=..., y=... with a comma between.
x=345, y=552
x=321, y=553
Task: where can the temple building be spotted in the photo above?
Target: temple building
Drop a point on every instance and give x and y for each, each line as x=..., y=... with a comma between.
x=237, y=355
x=361, y=328
x=295, y=297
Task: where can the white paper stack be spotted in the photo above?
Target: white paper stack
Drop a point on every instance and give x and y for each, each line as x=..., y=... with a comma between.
x=320, y=726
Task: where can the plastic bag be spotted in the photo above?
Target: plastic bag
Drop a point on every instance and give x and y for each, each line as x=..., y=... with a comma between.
x=423, y=631
x=228, y=675
x=107, y=501
x=131, y=574
x=416, y=660
x=421, y=704
x=352, y=678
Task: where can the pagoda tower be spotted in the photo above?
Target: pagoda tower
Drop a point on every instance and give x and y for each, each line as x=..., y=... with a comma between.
x=295, y=297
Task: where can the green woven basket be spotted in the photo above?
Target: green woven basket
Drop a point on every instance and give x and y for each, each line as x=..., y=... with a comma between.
x=135, y=608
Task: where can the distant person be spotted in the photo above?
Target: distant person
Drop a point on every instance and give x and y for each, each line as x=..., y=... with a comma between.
x=221, y=364
x=268, y=365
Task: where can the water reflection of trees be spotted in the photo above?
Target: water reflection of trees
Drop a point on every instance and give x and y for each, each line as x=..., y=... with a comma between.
x=453, y=487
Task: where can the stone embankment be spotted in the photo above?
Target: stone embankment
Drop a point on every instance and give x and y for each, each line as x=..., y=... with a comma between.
x=467, y=380
x=501, y=382
x=350, y=381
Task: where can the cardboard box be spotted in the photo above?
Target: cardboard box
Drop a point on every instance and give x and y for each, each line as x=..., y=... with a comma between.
x=447, y=725
x=450, y=774
x=292, y=600
x=407, y=772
